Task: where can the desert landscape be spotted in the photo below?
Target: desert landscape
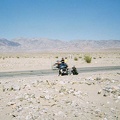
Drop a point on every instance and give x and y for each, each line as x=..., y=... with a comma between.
x=38, y=38
x=86, y=96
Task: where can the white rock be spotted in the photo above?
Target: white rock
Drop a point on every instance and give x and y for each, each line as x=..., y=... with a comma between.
x=10, y=103
x=90, y=78
x=15, y=87
x=62, y=83
x=77, y=93
x=47, y=97
x=119, y=97
x=105, y=119
x=108, y=102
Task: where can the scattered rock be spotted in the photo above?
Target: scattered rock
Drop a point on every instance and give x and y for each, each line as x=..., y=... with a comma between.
x=62, y=99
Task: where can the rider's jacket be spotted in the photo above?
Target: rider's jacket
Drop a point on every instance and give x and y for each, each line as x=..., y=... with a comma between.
x=63, y=65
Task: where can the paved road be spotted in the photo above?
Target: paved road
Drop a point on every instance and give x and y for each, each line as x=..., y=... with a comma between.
x=55, y=72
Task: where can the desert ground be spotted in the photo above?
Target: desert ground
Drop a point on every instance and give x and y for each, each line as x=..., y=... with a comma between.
x=86, y=96
x=38, y=61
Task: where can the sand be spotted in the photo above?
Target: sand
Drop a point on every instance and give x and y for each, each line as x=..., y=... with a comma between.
x=87, y=96
x=38, y=61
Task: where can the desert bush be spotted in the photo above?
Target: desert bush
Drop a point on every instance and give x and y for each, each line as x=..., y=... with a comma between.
x=75, y=58
x=88, y=59
x=56, y=57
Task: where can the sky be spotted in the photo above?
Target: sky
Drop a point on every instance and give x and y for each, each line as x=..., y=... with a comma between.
x=60, y=19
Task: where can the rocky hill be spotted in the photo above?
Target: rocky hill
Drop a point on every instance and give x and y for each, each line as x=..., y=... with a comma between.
x=51, y=45
x=5, y=42
x=95, y=44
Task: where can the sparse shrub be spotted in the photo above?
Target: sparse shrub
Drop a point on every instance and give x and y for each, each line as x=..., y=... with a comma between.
x=56, y=57
x=80, y=57
x=75, y=58
x=18, y=57
x=88, y=59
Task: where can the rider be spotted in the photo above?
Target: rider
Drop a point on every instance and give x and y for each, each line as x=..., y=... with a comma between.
x=66, y=60
x=74, y=71
x=63, y=64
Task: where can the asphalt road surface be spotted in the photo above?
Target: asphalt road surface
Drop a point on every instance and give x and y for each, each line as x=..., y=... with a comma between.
x=55, y=72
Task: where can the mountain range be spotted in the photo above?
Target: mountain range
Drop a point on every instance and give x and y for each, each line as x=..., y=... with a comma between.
x=51, y=45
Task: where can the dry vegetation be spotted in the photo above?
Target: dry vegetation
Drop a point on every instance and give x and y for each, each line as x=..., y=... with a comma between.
x=36, y=61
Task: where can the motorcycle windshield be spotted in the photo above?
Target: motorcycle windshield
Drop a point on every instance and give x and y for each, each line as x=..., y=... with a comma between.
x=63, y=66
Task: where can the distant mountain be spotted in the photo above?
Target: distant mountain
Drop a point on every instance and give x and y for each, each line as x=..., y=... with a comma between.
x=8, y=46
x=51, y=45
x=5, y=42
x=95, y=44
x=40, y=44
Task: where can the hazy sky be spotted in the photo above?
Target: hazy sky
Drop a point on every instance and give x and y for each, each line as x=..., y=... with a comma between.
x=60, y=19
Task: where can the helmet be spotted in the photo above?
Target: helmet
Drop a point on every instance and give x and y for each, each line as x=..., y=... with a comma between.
x=62, y=61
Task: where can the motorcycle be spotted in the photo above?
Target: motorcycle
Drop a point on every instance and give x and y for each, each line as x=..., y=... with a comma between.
x=55, y=66
x=63, y=71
